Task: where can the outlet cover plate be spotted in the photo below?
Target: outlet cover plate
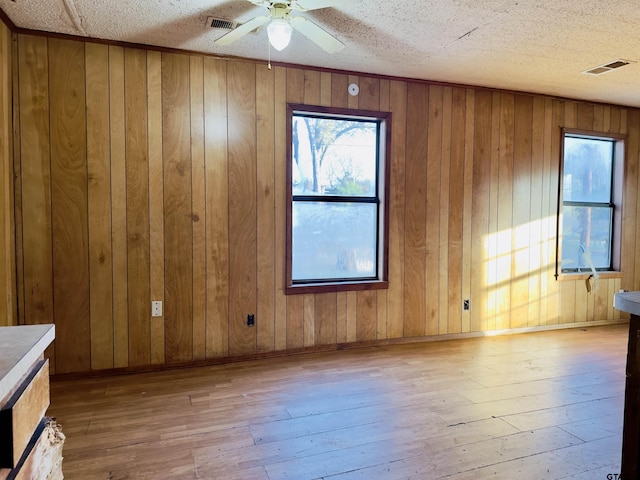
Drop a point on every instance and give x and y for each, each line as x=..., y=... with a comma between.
x=156, y=308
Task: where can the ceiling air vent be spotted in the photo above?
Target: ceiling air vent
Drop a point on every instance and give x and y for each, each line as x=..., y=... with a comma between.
x=607, y=67
x=213, y=22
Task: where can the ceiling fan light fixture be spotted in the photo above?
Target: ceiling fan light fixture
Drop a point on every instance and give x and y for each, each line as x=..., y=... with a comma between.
x=279, y=33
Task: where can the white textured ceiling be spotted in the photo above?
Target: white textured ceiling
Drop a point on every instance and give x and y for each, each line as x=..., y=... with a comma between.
x=537, y=46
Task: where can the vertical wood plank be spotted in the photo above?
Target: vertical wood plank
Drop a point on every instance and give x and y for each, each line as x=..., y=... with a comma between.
x=589, y=301
x=198, y=206
x=217, y=207
x=295, y=321
x=339, y=90
x=521, y=202
x=352, y=316
x=265, y=205
x=493, y=258
x=601, y=300
x=156, y=201
x=456, y=211
x=535, y=214
x=178, y=214
x=433, y=212
x=341, y=317
x=369, y=94
x=395, y=299
x=467, y=216
x=504, y=251
x=241, y=85
x=137, y=188
x=37, y=246
x=617, y=283
x=615, y=120
x=571, y=114
x=415, y=211
x=366, y=315
x=598, y=118
x=280, y=170
x=309, y=328
x=17, y=182
x=118, y=208
x=99, y=206
x=606, y=118
x=325, y=89
x=568, y=302
x=585, y=112
x=326, y=312
x=381, y=314
x=312, y=82
x=445, y=187
x=69, y=205
x=8, y=313
x=480, y=209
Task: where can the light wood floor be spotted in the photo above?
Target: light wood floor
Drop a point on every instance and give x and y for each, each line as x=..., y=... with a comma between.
x=536, y=406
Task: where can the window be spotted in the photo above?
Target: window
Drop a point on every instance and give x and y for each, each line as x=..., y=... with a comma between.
x=591, y=199
x=337, y=184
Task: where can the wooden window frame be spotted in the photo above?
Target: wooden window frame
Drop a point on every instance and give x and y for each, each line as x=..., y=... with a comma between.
x=619, y=161
x=384, y=152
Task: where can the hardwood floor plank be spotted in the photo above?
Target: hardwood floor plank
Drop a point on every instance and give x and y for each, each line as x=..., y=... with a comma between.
x=568, y=413
x=584, y=457
x=540, y=405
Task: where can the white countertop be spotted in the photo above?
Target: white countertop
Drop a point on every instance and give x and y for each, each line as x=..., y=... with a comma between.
x=20, y=348
x=627, y=302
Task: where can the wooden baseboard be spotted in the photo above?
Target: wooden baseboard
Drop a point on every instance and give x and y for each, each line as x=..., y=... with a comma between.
x=328, y=348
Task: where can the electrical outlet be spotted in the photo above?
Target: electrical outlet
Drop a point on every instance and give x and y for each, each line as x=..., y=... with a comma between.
x=251, y=320
x=466, y=304
x=156, y=308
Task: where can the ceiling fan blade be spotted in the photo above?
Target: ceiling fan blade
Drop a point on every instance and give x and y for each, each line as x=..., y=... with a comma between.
x=306, y=5
x=242, y=30
x=317, y=34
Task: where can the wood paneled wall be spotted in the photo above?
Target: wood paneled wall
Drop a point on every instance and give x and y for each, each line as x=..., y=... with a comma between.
x=161, y=176
x=8, y=314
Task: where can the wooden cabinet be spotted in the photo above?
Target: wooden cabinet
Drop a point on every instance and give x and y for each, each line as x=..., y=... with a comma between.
x=630, y=302
x=30, y=444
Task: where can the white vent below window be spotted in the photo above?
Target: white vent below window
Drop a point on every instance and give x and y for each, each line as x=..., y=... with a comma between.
x=607, y=67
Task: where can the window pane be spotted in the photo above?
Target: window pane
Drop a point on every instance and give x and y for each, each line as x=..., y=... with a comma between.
x=333, y=156
x=333, y=240
x=586, y=237
x=587, y=170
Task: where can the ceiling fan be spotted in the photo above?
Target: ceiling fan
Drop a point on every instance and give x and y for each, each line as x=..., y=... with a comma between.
x=281, y=23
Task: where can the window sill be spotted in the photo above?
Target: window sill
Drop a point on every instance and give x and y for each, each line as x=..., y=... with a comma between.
x=335, y=287
x=584, y=275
